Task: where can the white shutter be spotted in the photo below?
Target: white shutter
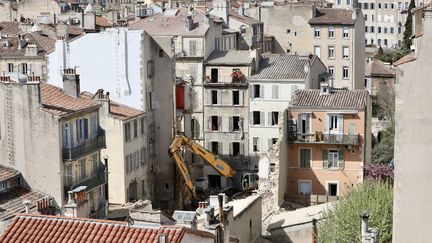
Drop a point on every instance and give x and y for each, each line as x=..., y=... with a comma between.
x=340, y=123
x=219, y=123
x=251, y=117
x=209, y=123
x=219, y=97
x=242, y=152
x=251, y=91
x=231, y=124
x=231, y=149
x=241, y=97
x=308, y=123
x=326, y=123
x=262, y=91
x=220, y=148
x=209, y=101
x=299, y=123
x=262, y=119
x=270, y=143
x=269, y=118
x=275, y=92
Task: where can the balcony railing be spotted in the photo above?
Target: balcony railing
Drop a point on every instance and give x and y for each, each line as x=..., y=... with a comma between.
x=189, y=52
x=225, y=81
x=324, y=138
x=99, y=178
x=88, y=146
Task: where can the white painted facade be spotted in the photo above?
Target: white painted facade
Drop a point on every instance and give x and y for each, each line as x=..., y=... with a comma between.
x=109, y=60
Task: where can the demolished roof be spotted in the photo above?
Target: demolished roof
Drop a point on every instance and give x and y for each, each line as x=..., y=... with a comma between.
x=26, y=228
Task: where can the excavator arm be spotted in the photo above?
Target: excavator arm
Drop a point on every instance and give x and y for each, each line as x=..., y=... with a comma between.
x=219, y=165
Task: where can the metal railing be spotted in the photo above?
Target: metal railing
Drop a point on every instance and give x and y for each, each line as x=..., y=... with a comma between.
x=97, y=179
x=224, y=81
x=86, y=147
x=324, y=138
x=189, y=52
x=310, y=200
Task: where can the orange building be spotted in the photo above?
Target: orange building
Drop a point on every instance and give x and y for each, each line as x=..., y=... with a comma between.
x=328, y=142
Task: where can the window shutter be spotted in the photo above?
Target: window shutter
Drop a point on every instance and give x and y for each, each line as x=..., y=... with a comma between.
x=242, y=149
x=299, y=123
x=270, y=143
x=326, y=123
x=209, y=147
x=251, y=117
x=219, y=97
x=307, y=158
x=209, y=97
x=352, y=129
x=341, y=159
x=219, y=123
x=220, y=148
x=269, y=118
x=209, y=123
x=251, y=91
x=308, y=119
x=78, y=129
x=86, y=132
x=241, y=97
x=231, y=124
x=275, y=92
x=262, y=121
x=230, y=149
x=325, y=159
x=262, y=91
x=293, y=89
x=340, y=123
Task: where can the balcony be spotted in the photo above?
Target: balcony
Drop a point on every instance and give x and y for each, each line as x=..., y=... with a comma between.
x=189, y=52
x=225, y=81
x=87, y=147
x=319, y=137
x=98, y=179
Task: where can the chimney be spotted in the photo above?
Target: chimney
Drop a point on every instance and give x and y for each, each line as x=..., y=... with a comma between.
x=163, y=238
x=71, y=82
x=189, y=22
x=31, y=50
x=71, y=197
x=27, y=205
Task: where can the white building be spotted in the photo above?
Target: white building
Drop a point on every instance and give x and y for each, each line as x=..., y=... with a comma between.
x=271, y=87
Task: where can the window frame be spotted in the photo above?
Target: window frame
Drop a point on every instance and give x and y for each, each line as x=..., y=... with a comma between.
x=300, y=158
x=317, y=32
x=335, y=156
x=343, y=72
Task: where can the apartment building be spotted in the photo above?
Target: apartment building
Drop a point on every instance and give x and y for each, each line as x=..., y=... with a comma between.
x=176, y=44
x=226, y=110
x=53, y=137
x=277, y=78
x=130, y=171
x=328, y=142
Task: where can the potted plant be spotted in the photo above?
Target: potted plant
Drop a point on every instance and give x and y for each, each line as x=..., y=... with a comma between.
x=237, y=76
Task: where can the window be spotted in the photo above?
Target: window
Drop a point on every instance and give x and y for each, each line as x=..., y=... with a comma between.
x=317, y=51
x=365, y=5
x=372, y=6
x=345, y=32
x=332, y=189
x=385, y=5
x=214, y=75
x=236, y=97
x=215, y=123
x=135, y=128
x=214, y=147
x=275, y=92
x=214, y=97
x=333, y=158
x=385, y=30
x=152, y=100
x=256, y=118
x=274, y=118
x=372, y=29
x=331, y=70
x=345, y=72
x=10, y=67
x=257, y=91
x=142, y=125
x=365, y=17
x=82, y=164
x=379, y=6
x=142, y=156
x=379, y=42
x=333, y=122
x=255, y=147
x=345, y=52
x=288, y=31
x=273, y=140
x=305, y=187
x=67, y=138
x=317, y=32
x=304, y=123
x=235, y=123
x=366, y=29
x=161, y=52
x=136, y=159
x=391, y=30
x=235, y=148
x=385, y=42
x=331, y=52
x=82, y=128
x=331, y=32
x=24, y=68
x=305, y=158
x=127, y=132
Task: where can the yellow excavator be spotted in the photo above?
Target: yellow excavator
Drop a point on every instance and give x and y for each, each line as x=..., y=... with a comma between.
x=240, y=180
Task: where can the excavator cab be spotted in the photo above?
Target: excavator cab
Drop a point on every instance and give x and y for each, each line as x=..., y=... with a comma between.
x=249, y=181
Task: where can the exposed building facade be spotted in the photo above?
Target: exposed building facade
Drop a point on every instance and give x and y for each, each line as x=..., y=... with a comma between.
x=329, y=142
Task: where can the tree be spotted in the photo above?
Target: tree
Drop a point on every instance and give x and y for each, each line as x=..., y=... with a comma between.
x=406, y=43
x=341, y=223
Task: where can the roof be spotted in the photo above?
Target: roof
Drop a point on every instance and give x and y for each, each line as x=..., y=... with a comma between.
x=11, y=202
x=333, y=16
x=231, y=57
x=171, y=23
x=282, y=66
x=342, y=98
x=9, y=28
x=240, y=205
x=26, y=228
x=43, y=43
x=117, y=110
x=378, y=69
x=243, y=18
x=57, y=102
x=408, y=58
x=7, y=173
x=102, y=22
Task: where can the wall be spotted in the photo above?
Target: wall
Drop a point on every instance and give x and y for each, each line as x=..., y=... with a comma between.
x=358, y=63
x=192, y=238
x=298, y=233
x=247, y=224
x=36, y=64
x=121, y=69
x=39, y=163
x=34, y=8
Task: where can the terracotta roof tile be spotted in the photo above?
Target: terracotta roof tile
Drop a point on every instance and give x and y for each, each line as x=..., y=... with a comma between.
x=102, y=22
x=345, y=99
x=243, y=18
x=55, y=101
x=334, y=16
x=11, y=202
x=26, y=228
x=44, y=45
x=379, y=69
x=281, y=66
x=408, y=58
x=9, y=28
x=7, y=173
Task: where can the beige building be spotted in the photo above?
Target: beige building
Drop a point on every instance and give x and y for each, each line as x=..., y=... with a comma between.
x=328, y=144
x=378, y=74
x=129, y=170
x=55, y=143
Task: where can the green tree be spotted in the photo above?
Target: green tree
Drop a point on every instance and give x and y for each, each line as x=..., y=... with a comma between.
x=342, y=222
x=406, y=43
